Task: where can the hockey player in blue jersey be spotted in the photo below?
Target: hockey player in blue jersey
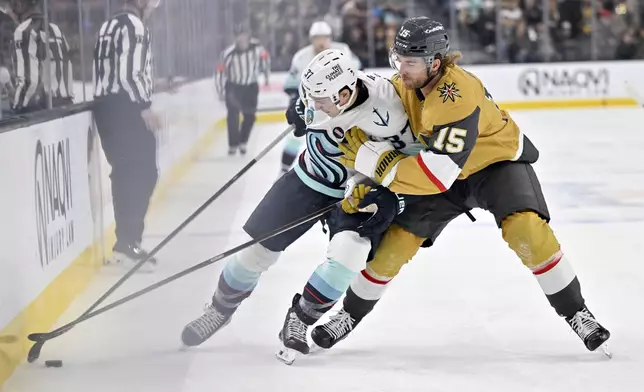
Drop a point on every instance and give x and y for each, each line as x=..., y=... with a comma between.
x=339, y=98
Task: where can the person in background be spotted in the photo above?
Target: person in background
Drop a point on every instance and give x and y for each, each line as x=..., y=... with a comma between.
x=126, y=124
x=320, y=35
x=7, y=27
x=33, y=86
x=236, y=80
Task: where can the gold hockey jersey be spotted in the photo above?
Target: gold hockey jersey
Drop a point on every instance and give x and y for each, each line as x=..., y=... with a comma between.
x=463, y=130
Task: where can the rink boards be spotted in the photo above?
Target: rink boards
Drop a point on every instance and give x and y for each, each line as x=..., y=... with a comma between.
x=533, y=86
x=57, y=205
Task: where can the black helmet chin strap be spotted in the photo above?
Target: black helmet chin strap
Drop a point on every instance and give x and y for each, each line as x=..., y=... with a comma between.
x=428, y=80
x=428, y=67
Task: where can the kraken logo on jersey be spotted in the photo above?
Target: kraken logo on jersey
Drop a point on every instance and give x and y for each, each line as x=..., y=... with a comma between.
x=309, y=115
x=449, y=91
x=323, y=151
x=382, y=121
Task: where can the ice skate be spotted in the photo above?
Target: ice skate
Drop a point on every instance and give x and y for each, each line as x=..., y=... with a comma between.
x=334, y=330
x=593, y=334
x=203, y=327
x=293, y=335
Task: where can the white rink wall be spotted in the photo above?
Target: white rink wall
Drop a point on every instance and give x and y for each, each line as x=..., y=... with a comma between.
x=56, y=202
x=56, y=205
x=533, y=86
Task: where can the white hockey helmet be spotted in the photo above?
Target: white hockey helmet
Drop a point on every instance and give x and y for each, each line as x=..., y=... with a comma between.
x=326, y=75
x=320, y=29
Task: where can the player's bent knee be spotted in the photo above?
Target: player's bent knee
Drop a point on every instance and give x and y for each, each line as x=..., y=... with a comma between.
x=257, y=258
x=349, y=249
x=530, y=237
x=397, y=247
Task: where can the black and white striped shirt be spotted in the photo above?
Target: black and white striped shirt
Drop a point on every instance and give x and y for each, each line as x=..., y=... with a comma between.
x=242, y=67
x=30, y=55
x=123, y=60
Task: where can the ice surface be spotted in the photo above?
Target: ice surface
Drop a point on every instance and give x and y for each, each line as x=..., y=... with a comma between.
x=464, y=315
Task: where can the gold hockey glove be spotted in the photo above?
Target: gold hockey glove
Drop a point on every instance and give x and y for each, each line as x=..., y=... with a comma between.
x=350, y=202
x=376, y=160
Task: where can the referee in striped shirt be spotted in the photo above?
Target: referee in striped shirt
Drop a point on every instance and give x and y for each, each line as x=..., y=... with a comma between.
x=126, y=124
x=236, y=80
x=32, y=82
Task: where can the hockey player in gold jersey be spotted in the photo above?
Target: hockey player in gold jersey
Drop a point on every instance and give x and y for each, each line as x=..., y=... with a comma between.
x=475, y=156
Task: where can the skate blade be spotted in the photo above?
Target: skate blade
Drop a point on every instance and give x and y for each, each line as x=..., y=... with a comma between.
x=315, y=349
x=127, y=264
x=606, y=351
x=287, y=355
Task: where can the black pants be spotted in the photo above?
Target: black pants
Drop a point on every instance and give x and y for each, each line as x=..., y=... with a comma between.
x=288, y=199
x=130, y=149
x=503, y=189
x=240, y=99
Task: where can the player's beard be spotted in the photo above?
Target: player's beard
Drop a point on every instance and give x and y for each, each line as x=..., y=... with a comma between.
x=413, y=83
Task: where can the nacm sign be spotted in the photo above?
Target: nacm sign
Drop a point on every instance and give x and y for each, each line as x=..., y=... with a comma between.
x=565, y=82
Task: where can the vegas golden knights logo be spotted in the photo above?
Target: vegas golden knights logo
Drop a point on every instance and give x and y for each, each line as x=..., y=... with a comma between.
x=449, y=92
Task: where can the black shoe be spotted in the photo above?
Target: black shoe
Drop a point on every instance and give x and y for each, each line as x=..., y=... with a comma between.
x=130, y=255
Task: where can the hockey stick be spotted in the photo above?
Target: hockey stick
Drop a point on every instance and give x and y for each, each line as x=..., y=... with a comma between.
x=634, y=94
x=34, y=352
x=41, y=338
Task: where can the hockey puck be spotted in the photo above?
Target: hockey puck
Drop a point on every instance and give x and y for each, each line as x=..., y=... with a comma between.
x=54, y=363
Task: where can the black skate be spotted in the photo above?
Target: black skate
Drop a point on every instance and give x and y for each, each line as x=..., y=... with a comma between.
x=129, y=255
x=589, y=330
x=334, y=330
x=202, y=328
x=293, y=335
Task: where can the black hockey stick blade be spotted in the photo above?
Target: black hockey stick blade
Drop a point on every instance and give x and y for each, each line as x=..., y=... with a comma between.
x=41, y=338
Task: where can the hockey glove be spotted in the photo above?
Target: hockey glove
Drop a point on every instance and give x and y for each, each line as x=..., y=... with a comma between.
x=351, y=201
x=384, y=205
x=376, y=160
x=295, y=116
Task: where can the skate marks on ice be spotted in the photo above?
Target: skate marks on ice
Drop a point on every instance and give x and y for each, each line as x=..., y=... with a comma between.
x=450, y=365
x=446, y=366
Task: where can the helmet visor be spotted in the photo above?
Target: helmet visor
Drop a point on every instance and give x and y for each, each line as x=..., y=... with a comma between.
x=406, y=63
x=321, y=103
